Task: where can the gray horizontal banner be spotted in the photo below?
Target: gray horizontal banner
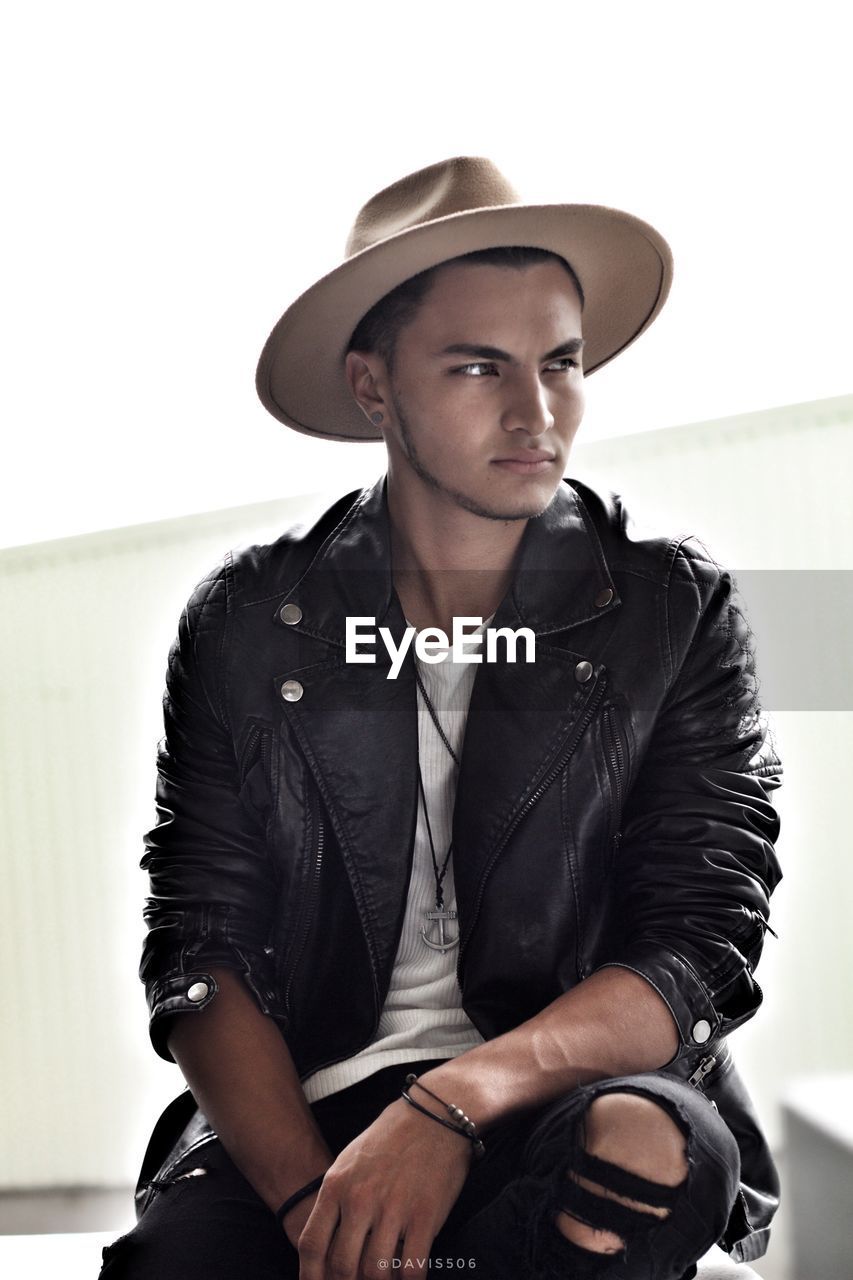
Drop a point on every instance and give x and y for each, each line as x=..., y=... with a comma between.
x=802, y=621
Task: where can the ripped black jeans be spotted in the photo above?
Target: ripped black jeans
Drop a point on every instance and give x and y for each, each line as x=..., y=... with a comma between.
x=214, y=1226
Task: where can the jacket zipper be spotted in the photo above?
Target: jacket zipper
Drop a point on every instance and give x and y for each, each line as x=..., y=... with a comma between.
x=266, y=756
x=706, y=1066
x=616, y=754
x=739, y=936
x=591, y=708
x=763, y=924
x=616, y=760
x=307, y=914
x=713, y=1064
x=248, y=750
x=258, y=746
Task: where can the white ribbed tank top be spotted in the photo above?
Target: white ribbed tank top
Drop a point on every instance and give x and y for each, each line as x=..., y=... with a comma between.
x=422, y=1016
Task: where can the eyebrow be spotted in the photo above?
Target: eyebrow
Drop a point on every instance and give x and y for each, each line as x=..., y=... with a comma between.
x=570, y=348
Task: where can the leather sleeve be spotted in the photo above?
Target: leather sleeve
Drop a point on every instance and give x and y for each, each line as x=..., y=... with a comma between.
x=696, y=864
x=210, y=879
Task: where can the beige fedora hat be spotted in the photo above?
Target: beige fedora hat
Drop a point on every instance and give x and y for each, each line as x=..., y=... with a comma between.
x=447, y=209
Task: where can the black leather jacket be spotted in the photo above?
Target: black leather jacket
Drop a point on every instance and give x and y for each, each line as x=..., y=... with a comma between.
x=612, y=807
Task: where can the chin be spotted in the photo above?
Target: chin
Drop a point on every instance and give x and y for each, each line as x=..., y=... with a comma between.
x=528, y=500
x=523, y=509
x=526, y=506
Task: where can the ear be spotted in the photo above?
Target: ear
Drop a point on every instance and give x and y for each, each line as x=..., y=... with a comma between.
x=365, y=373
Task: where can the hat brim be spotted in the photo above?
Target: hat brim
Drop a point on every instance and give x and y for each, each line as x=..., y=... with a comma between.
x=623, y=264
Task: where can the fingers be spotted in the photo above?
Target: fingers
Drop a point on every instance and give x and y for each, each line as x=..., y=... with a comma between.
x=344, y=1258
x=414, y=1254
x=384, y=1244
x=334, y=1240
x=354, y=1250
x=316, y=1238
x=387, y=1245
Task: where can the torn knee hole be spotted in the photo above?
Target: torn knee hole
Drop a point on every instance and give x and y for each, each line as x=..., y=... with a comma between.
x=636, y=1133
x=613, y=1182
x=590, y=1239
x=604, y=1206
x=637, y=1206
x=602, y=1210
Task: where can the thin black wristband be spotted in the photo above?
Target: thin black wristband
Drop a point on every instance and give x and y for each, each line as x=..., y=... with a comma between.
x=477, y=1143
x=458, y=1119
x=292, y=1201
x=438, y=1119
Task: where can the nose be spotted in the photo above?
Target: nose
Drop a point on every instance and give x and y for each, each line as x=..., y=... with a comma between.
x=527, y=408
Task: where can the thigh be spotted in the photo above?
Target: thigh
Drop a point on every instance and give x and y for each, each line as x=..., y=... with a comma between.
x=207, y=1226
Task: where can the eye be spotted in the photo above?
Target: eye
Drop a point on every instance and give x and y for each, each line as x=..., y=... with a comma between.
x=565, y=363
x=475, y=370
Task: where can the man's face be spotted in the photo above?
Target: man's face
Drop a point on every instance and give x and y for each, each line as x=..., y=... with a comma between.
x=486, y=392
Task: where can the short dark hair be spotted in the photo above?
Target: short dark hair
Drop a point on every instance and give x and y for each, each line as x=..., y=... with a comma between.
x=379, y=328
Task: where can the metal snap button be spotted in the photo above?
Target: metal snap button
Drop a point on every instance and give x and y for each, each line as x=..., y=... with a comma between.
x=583, y=671
x=198, y=991
x=290, y=613
x=603, y=598
x=292, y=691
x=702, y=1031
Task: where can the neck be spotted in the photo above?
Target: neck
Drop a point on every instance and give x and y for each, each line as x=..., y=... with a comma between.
x=449, y=563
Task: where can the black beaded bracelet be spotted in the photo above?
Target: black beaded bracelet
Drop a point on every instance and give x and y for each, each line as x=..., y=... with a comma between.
x=458, y=1122
x=292, y=1201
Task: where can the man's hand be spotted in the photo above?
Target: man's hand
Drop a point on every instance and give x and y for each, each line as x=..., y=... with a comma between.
x=387, y=1195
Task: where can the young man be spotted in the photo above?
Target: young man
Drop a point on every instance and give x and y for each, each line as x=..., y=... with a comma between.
x=447, y=951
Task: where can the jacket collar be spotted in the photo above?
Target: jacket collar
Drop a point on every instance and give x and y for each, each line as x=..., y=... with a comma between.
x=562, y=578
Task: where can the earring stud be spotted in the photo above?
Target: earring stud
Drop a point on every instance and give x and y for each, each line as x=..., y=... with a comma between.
x=376, y=417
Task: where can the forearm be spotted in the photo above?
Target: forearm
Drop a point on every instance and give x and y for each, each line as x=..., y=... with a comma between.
x=241, y=1073
x=614, y=1023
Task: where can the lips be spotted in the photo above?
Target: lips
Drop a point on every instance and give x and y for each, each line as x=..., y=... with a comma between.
x=526, y=464
x=530, y=455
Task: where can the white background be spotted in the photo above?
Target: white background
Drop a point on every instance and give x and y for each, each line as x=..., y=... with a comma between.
x=175, y=173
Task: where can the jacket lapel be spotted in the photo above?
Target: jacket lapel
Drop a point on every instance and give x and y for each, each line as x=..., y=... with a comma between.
x=357, y=729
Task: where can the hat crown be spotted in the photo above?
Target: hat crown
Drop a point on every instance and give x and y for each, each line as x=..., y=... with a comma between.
x=458, y=185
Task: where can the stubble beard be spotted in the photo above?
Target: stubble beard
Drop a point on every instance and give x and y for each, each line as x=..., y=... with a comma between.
x=456, y=495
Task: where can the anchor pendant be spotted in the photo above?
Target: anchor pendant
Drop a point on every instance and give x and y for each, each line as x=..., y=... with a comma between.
x=444, y=942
